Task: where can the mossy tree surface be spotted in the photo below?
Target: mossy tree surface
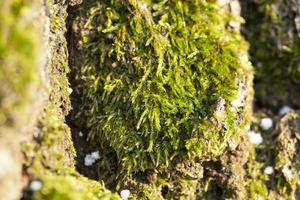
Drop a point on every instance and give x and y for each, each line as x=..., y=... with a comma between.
x=49, y=155
x=72, y=187
x=273, y=29
x=51, y=147
x=160, y=80
x=279, y=150
x=20, y=42
x=18, y=63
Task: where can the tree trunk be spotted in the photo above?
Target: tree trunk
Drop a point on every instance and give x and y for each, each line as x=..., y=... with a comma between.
x=152, y=99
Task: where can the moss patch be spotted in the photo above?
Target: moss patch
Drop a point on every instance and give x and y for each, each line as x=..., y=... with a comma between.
x=159, y=80
x=72, y=187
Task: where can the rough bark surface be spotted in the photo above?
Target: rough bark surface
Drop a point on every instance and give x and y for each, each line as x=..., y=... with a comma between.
x=50, y=110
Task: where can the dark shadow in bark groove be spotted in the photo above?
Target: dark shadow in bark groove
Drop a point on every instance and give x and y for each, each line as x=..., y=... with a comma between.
x=76, y=59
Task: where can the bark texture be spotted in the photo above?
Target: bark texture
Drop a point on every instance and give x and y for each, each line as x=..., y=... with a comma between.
x=161, y=89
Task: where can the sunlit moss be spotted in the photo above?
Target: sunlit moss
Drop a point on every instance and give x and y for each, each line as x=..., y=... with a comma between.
x=159, y=80
x=72, y=187
x=50, y=154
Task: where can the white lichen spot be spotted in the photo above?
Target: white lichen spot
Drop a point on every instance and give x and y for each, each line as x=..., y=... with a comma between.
x=80, y=134
x=95, y=155
x=244, y=58
x=266, y=123
x=269, y=170
x=110, y=36
x=90, y=159
x=237, y=103
x=35, y=185
x=255, y=138
x=287, y=172
x=284, y=110
x=144, y=6
x=232, y=144
x=125, y=194
x=114, y=65
x=70, y=90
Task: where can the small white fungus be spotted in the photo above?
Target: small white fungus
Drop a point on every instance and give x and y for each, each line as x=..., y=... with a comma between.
x=284, y=109
x=255, y=138
x=90, y=159
x=110, y=36
x=232, y=144
x=95, y=155
x=269, y=170
x=266, y=123
x=125, y=194
x=80, y=134
x=35, y=186
x=70, y=90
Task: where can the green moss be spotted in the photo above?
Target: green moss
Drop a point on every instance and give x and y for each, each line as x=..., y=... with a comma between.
x=181, y=181
x=72, y=187
x=159, y=80
x=256, y=182
x=52, y=148
x=58, y=67
x=49, y=155
x=275, y=48
x=19, y=72
x=279, y=150
x=288, y=154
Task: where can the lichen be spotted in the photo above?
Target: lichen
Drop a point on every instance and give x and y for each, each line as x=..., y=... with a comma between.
x=159, y=79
